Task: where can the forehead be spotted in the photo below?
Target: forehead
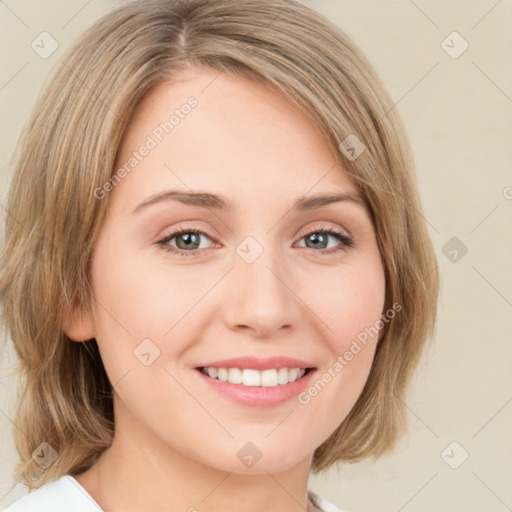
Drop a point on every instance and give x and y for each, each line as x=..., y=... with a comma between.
x=239, y=137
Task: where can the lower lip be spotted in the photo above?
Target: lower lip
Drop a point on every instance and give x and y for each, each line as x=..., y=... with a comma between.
x=259, y=396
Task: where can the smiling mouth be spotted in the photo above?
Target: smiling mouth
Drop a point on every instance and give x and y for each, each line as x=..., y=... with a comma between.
x=272, y=377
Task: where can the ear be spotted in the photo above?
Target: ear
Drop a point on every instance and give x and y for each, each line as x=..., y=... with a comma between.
x=78, y=325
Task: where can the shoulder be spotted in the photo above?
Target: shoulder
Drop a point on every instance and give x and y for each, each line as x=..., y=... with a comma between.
x=62, y=495
x=324, y=504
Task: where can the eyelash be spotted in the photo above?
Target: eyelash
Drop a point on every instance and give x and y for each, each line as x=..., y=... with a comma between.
x=346, y=240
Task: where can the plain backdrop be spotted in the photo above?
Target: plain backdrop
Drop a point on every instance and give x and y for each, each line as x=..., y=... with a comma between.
x=456, y=103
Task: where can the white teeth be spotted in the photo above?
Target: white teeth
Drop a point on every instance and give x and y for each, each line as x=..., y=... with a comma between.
x=250, y=377
x=282, y=376
x=235, y=376
x=269, y=378
x=292, y=374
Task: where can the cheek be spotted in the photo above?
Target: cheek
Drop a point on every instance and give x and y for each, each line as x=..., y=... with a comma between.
x=349, y=313
x=142, y=297
x=135, y=294
x=349, y=303
x=127, y=309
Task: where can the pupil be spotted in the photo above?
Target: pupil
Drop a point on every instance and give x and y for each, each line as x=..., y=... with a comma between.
x=189, y=239
x=316, y=238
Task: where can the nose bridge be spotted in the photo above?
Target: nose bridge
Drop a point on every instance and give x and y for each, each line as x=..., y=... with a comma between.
x=261, y=295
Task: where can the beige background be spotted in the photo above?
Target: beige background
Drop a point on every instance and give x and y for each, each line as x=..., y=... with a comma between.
x=458, y=112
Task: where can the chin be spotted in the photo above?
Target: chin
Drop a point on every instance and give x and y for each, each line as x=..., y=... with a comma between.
x=253, y=458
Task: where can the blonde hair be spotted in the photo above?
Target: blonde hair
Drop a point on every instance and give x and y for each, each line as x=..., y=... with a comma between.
x=69, y=148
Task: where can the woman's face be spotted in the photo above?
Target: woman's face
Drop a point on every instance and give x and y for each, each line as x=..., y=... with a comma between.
x=261, y=279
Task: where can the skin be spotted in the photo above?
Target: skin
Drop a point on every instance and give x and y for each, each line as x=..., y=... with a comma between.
x=176, y=439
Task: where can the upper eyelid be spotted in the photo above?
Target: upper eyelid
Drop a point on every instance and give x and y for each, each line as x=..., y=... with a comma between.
x=305, y=230
x=323, y=227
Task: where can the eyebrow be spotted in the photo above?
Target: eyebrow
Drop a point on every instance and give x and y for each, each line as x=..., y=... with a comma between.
x=220, y=202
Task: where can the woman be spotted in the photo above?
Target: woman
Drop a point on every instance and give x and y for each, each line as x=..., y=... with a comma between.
x=216, y=275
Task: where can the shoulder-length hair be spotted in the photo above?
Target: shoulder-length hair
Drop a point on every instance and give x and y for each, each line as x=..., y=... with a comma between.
x=68, y=150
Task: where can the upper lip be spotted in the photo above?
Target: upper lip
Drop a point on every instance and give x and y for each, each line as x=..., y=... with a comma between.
x=258, y=363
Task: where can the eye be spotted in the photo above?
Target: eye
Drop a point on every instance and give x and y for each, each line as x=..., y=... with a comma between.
x=188, y=240
x=320, y=236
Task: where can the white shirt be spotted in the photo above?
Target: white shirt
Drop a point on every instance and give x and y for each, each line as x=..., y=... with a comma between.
x=67, y=495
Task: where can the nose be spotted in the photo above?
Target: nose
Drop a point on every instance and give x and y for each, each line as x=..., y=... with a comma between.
x=261, y=296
